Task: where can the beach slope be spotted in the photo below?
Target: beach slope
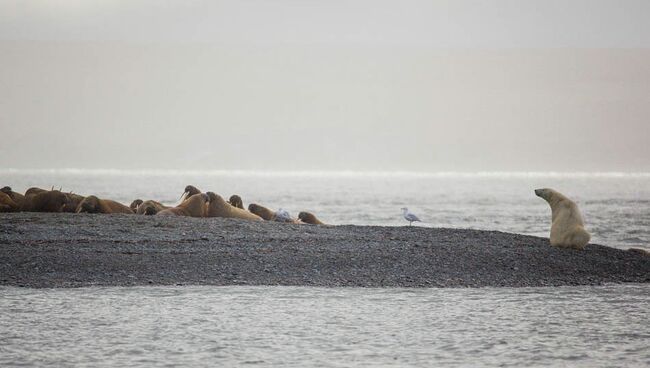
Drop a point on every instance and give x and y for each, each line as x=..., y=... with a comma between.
x=75, y=250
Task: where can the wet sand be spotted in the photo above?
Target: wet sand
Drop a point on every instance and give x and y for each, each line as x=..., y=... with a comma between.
x=74, y=250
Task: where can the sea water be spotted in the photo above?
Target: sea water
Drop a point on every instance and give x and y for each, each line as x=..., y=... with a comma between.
x=605, y=326
x=616, y=206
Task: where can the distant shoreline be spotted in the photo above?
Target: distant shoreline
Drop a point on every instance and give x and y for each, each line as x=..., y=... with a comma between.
x=328, y=173
x=44, y=250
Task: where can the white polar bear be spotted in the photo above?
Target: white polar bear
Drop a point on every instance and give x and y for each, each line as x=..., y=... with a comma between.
x=567, y=224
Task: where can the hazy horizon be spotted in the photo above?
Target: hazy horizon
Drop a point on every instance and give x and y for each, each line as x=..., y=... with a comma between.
x=414, y=86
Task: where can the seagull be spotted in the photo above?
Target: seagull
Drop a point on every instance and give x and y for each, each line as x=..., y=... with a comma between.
x=409, y=216
x=283, y=216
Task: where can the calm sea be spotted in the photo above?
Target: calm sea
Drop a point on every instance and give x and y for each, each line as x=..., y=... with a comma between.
x=616, y=206
x=607, y=326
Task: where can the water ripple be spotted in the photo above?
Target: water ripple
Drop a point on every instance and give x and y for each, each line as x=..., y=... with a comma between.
x=299, y=326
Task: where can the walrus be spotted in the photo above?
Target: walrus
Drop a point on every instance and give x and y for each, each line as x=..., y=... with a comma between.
x=218, y=207
x=34, y=190
x=261, y=211
x=150, y=207
x=73, y=202
x=16, y=197
x=134, y=205
x=92, y=204
x=40, y=200
x=190, y=190
x=7, y=204
x=567, y=224
x=29, y=194
x=309, y=218
x=236, y=201
x=269, y=215
x=194, y=206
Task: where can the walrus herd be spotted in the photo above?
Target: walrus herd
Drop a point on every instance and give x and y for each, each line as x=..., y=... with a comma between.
x=193, y=203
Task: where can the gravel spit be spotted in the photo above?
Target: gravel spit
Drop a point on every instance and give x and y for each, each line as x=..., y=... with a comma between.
x=45, y=250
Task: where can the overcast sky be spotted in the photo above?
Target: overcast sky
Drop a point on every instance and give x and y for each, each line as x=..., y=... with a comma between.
x=326, y=85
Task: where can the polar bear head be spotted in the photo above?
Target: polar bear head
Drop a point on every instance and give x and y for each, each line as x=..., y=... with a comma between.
x=544, y=193
x=552, y=196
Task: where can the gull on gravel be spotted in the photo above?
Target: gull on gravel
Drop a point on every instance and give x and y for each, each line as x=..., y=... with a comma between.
x=410, y=217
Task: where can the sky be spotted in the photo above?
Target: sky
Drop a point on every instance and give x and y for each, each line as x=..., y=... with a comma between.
x=326, y=85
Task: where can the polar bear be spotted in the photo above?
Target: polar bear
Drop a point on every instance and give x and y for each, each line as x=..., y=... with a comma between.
x=567, y=224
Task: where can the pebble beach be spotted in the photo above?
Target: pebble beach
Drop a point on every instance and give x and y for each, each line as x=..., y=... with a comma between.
x=45, y=250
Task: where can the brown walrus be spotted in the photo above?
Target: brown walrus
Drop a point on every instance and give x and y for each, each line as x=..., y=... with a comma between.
x=29, y=194
x=7, y=204
x=194, y=206
x=92, y=204
x=309, y=218
x=218, y=207
x=134, y=205
x=236, y=201
x=40, y=200
x=269, y=215
x=16, y=197
x=190, y=190
x=73, y=202
x=261, y=211
x=150, y=207
x=34, y=190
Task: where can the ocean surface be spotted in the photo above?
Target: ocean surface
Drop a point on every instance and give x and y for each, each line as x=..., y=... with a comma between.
x=616, y=206
x=606, y=326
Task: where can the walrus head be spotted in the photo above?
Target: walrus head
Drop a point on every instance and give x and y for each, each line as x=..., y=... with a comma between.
x=150, y=210
x=190, y=190
x=73, y=202
x=236, y=201
x=135, y=204
x=90, y=204
x=6, y=190
x=308, y=218
x=261, y=211
x=254, y=208
x=214, y=197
